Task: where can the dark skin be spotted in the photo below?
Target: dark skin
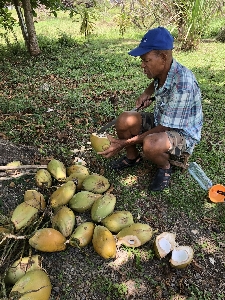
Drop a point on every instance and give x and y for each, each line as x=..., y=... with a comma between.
x=155, y=64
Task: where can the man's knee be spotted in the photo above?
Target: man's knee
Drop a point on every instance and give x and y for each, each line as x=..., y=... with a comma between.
x=128, y=120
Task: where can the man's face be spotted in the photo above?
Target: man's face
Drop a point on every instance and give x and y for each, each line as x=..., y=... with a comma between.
x=153, y=64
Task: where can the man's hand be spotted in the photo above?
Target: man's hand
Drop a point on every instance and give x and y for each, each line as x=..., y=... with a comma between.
x=143, y=101
x=116, y=145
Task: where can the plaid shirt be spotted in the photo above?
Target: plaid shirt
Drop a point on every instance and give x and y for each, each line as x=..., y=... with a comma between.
x=178, y=104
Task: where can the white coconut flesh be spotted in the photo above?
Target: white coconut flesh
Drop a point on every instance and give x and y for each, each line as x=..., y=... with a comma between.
x=165, y=243
x=130, y=241
x=182, y=256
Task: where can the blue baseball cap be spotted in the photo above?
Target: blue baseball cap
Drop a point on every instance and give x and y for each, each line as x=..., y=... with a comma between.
x=155, y=39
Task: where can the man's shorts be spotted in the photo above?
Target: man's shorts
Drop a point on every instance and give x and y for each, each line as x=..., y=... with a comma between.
x=177, y=141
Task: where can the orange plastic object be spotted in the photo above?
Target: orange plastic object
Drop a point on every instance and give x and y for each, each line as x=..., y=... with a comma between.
x=214, y=196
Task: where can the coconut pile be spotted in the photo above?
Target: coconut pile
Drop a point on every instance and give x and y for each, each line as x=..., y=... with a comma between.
x=46, y=222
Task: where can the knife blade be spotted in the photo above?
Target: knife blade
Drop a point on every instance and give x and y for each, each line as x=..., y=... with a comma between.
x=111, y=123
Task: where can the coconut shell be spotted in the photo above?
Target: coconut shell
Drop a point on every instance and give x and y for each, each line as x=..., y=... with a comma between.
x=43, y=178
x=181, y=257
x=63, y=194
x=33, y=285
x=96, y=184
x=99, y=142
x=83, y=201
x=135, y=235
x=20, y=267
x=103, y=242
x=35, y=199
x=103, y=207
x=64, y=220
x=82, y=235
x=57, y=169
x=118, y=220
x=164, y=244
x=23, y=215
x=77, y=169
x=48, y=240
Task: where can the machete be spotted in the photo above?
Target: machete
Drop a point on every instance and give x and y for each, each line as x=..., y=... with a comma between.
x=111, y=123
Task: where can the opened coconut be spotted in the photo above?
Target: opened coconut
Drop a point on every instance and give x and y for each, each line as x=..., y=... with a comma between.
x=64, y=220
x=96, y=183
x=33, y=285
x=135, y=235
x=99, y=142
x=48, y=240
x=57, y=169
x=83, y=201
x=43, y=178
x=20, y=267
x=181, y=257
x=82, y=235
x=103, y=242
x=164, y=244
x=102, y=207
x=63, y=194
x=118, y=220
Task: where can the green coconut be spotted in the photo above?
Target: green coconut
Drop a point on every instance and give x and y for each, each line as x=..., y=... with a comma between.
x=118, y=220
x=33, y=285
x=23, y=215
x=43, y=178
x=48, y=240
x=35, y=199
x=82, y=235
x=103, y=207
x=64, y=220
x=164, y=244
x=77, y=178
x=104, y=242
x=99, y=142
x=63, y=194
x=20, y=267
x=77, y=169
x=96, y=183
x=135, y=235
x=57, y=169
x=83, y=201
x=181, y=257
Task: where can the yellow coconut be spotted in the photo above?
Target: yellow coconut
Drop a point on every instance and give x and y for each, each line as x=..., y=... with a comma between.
x=77, y=178
x=99, y=142
x=63, y=220
x=23, y=215
x=181, y=257
x=43, y=178
x=48, y=240
x=20, y=267
x=82, y=235
x=135, y=235
x=33, y=285
x=15, y=163
x=35, y=199
x=118, y=220
x=83, y=201
x=63, y=194
x=103, y=207
x=77, y=169
x=103, y=242
x=164, y=244
x=96, y=183
x=57, y=169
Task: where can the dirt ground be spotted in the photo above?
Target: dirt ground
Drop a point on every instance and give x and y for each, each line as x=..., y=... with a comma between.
x=77, y=274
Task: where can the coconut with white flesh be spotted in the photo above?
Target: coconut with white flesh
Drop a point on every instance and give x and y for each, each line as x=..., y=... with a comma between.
x=135, y=235
x=164, y=244
x=99, y=142
x=181, y=257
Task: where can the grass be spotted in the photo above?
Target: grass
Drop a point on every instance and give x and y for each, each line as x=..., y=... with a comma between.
x=54, y=101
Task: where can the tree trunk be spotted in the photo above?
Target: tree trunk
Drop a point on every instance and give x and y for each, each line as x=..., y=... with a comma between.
x=27, y=27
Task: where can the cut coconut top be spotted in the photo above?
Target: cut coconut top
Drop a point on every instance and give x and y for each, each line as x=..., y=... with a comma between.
x=165, y=245
x=182, y=255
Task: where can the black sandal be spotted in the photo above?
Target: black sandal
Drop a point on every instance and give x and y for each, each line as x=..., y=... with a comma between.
x=161, y=180
x=124, y=162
